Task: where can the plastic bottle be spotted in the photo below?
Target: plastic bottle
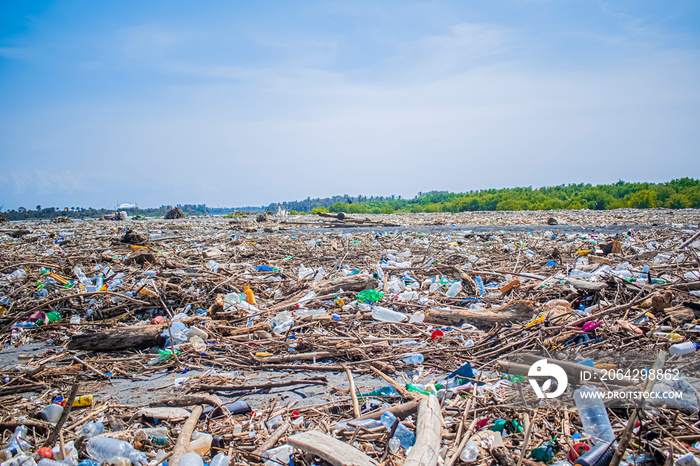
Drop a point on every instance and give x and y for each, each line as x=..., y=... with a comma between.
x=417, y=318
x=93, y=428
x=594, y=417
x=470, y=452
x=10, y=452
x=48, y=462
x=17, y=276
x=222, y=459
x=200, y=443
x=51, y=413
x=405, y=436
x=19, y=437
x=599, y=455
x=394, y=445
x=191, y=459
x=279, y=455
x=249, y=296
x=74, y=319
x=309, y=313
x=480, y=285
x=414, y=358
x=198, y=344
x=105, y=448
x=409, y=295
x=454, y=289
x=680, y=349
x=384, y=314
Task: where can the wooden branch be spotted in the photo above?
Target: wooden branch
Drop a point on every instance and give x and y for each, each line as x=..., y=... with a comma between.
x=188, y=400
x=426, y=450
x=260, y=386
x=353, y=394
x=183, y=440
x=272, y=440
x=330, y=449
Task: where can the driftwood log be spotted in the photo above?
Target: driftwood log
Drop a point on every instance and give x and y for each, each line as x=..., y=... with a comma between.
x=117, y=339
x=426, y=450
x=515, y=311
x=329, y=449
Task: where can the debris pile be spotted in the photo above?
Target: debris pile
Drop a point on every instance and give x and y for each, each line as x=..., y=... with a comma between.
x=174, y=213
x=400, y=339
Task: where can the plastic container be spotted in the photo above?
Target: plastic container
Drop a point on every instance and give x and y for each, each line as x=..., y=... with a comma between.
x=413, y=358
x=454, y=289
x=51, y=413
x=191, y=459
x=92, y=429
x=249, y=296
x=9, y=452
x=394, y=445
x=384, y=314
x=198, y=344
x=104, y=448
x=279, y=455
x=200, y=443
x=480, y=286
x=222, y=459
x=680, y=349
x=405, y=436
x=470, y=452
x=593, y=414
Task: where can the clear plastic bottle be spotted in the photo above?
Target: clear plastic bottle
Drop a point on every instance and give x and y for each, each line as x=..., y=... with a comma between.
x=480, y=286
x=384, y=314
x=105, y=448
x=9, y=452
x=454, y=289
x=191, y=459
x=470, y=452
x=48, y=462
x=413, y=358
x=409, y=295
x=403, y=433
x=593, y=414
x=279, y=455
x=92, y=429
x=222, y=459
x=19, y=438
x=22, y=459
x=394, y=445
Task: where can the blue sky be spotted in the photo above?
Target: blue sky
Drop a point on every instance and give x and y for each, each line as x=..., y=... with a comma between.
x=247, y=103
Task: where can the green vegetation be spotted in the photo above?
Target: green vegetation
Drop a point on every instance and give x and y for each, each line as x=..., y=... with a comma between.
x=676, y=194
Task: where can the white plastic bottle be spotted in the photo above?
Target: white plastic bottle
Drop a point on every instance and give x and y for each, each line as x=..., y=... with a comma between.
x=191, y=459
x=222, y=459
x=387, y=315
x=680, y=349
x=454, y=289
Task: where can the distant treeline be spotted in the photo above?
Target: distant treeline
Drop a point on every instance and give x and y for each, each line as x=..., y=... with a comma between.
x=40, y=212
x=677, y=194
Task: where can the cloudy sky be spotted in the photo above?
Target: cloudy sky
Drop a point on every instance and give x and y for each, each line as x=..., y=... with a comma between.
x=245, y=103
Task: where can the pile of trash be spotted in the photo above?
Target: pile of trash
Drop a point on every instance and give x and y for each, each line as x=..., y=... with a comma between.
x=324, y=340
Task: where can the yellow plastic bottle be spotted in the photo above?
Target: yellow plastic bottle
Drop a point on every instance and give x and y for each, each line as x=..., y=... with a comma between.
x=249, y=296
